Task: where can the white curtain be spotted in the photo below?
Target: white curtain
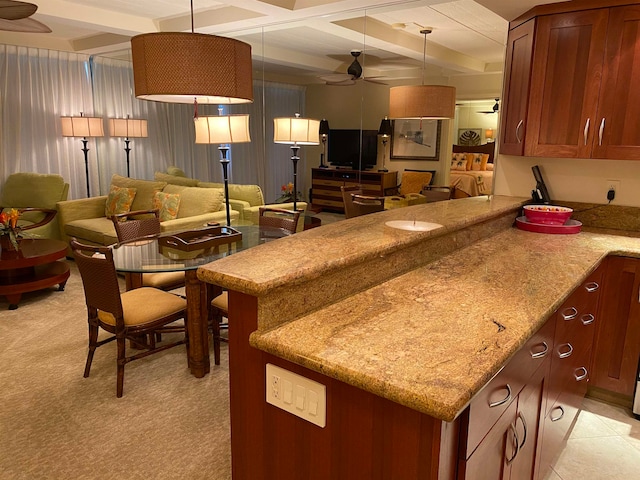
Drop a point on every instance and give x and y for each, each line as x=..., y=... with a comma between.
x=41, y=85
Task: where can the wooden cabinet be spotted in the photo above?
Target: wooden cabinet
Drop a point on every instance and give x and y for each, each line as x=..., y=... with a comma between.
x=617, y=342
x=576, y=321
x=515, y=95
x=326, y=183
x=581, y=102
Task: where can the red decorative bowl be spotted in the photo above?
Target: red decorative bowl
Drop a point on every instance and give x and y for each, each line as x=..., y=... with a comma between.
x=547, y=214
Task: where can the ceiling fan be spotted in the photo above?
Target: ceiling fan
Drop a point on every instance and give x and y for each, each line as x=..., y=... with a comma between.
x=14, y=17
x=495, y=109
x=354, y=72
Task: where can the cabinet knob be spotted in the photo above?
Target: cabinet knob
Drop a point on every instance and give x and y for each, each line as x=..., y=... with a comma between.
x=542, y=353
x=587, y=319
x=581, y=376
x=592, y=287
x=555, y=419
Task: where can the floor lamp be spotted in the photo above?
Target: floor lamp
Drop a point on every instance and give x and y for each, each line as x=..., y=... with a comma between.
x=324, y=135
x=385, y=132
x=223, y=129
x=296, y=131
x=83, y=127
x=127, y=128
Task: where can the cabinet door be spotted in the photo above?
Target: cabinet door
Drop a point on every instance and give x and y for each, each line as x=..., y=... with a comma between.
x=515, y=95
x=617, y=343
x=565, y=83
x=618, y=129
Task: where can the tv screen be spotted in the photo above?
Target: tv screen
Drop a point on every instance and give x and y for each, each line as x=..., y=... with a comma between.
x=352, y=148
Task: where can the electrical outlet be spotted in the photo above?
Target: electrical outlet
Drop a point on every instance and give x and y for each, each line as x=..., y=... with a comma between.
x=613, y=185
x=275, y=386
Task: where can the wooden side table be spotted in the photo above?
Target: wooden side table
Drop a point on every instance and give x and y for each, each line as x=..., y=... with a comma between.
x=34, y=266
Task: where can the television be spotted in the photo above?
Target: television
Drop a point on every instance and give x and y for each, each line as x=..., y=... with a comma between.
x=352, y=148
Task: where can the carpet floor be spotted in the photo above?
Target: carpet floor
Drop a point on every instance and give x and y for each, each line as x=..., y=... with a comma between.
x=55, y=424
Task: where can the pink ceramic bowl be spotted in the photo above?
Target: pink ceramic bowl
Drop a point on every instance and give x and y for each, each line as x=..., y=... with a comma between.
x=547, y=214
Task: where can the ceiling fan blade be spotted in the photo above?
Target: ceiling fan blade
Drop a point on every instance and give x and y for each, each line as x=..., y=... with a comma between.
x=374, y=80
x=12, y=10
x=26, y=25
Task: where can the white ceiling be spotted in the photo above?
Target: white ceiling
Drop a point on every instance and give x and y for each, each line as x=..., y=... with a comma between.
x=298, y=39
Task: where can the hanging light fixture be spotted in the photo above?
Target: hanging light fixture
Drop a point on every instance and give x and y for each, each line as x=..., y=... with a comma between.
x=223, y=129
x=179, y=67
x=422, y=101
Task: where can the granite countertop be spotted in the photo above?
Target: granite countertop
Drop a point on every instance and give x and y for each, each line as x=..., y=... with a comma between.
x=440, y=312
x=432, y=338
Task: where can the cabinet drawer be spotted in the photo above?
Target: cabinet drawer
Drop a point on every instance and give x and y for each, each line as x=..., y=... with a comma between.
x=496, y=396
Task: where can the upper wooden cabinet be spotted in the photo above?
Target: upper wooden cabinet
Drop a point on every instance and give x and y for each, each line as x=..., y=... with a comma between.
x=579, y=97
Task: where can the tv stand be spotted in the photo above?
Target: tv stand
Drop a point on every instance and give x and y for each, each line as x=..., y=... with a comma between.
x=326, y=183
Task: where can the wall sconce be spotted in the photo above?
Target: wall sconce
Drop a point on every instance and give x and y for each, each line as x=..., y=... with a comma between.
x=223, y=129
x=385, y=131
x=127, y=128
x=324, y=135
x=296, y=131
x=83, y=127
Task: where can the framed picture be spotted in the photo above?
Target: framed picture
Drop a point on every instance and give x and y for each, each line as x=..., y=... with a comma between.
x=469, y=136
x=416, y=139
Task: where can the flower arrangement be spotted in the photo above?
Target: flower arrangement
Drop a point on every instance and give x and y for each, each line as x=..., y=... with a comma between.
x=287, y=194
x=9, y=226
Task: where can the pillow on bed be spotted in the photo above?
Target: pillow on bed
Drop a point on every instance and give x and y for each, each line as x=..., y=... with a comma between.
x=477, y=161
x=459, y=161
x=489, y=167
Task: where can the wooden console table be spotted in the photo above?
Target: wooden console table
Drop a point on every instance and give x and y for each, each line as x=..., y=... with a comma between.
x=326, y=183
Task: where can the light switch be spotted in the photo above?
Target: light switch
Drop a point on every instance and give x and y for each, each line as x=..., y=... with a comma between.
x=300, y=393
x=288, y=391
x=296, y=394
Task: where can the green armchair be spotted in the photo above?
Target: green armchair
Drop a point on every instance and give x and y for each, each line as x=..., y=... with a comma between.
x=35, y=195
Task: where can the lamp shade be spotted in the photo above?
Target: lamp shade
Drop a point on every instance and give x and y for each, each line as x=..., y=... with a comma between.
x=385, y=127
x=488, y=133
x=296, y=130
x=128, y=127
x=422, y=101
x=82, y=126
x=222, y=129
x=324, y=127
x=178, y=67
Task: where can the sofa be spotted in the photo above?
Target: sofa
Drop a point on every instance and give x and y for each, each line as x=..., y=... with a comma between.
x=193, y=207
x=244, y=199
x=35, y=190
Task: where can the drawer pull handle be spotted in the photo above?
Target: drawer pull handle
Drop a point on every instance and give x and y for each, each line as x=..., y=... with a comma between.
x=586, y=130
x=569, y=313
x=516, y=443
x=518, y=131
x=592, y=287
x=587, y=319
x=555, y=419
x=584, y=375
x=504, y=400
x=567, y=353
x=543, y=353
x=524, y=426
x=600, y=132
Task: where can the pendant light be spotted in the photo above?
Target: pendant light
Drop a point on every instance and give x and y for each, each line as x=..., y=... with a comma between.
x=422, y=101
x=179, y=67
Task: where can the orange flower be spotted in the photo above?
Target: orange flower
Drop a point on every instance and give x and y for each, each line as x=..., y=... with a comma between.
x=13, y=217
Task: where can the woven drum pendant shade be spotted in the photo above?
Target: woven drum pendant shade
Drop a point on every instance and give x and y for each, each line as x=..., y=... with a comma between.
x=422, y=101
x=178, y=67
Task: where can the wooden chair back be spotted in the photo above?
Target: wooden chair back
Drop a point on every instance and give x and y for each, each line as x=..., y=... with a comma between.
x=364, y=204
x=137, y=224
x=279, y=218
x=349, y=209
x=435, y=193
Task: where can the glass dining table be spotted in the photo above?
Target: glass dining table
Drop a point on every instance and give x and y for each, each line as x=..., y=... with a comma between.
x=156, y=254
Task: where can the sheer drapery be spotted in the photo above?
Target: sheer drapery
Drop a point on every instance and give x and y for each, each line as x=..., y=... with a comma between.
x=41, y=85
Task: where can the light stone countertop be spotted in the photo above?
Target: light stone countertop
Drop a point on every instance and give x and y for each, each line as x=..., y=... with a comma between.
x=426, y=334
x=430, y=339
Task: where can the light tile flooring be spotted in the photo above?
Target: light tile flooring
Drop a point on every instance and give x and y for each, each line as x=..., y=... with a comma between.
x=604, y=444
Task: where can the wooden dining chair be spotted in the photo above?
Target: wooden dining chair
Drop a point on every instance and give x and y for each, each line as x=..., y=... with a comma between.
x=140, y=224
x=365, y=204
x=134, y=315
x=278, y=218
x=434, y=193
x=347, y=192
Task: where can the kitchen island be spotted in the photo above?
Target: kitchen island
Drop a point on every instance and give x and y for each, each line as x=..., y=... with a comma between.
x=406, y=327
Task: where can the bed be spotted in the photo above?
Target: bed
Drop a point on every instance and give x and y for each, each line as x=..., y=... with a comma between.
x=466, y=180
